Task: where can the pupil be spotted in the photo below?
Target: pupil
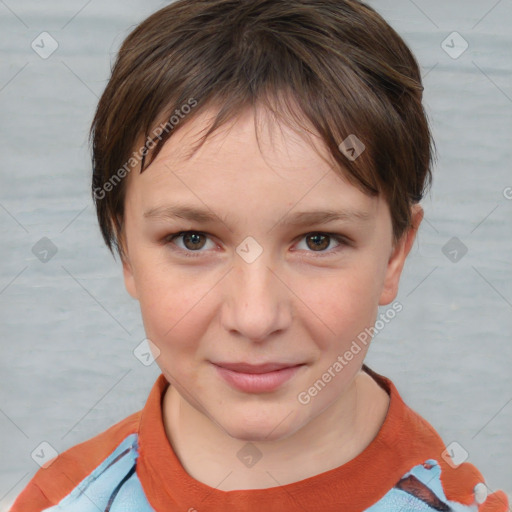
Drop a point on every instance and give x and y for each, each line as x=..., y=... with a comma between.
x=194, y=237
x=318, y=240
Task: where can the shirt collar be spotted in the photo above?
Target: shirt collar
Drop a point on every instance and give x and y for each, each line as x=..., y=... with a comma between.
x=361, y=481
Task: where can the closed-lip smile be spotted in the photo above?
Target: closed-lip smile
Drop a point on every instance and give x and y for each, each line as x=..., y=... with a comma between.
x=260, y=378
x=259, y=368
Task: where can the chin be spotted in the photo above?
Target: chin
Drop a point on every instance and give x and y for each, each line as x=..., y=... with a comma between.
x=274, y=428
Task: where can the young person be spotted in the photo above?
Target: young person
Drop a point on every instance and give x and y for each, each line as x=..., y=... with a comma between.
x=259, y=166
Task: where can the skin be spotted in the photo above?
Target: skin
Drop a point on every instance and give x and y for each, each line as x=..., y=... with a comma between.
x=295, y=303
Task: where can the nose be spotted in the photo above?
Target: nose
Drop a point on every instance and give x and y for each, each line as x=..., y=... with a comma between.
x=257, y=301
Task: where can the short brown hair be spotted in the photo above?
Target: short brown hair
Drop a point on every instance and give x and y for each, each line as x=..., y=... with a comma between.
x=338, y=61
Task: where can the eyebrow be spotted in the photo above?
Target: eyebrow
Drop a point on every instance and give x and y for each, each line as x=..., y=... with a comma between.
x=297, y=219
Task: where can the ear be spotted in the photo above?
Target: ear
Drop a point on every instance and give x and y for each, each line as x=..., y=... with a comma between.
x=129, y=278
x=398, y=256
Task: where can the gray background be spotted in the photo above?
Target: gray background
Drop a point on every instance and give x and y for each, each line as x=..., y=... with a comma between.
x=68, y=328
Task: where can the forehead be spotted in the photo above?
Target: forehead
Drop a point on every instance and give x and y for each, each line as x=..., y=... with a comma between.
x=282, y=142
x=255, y=157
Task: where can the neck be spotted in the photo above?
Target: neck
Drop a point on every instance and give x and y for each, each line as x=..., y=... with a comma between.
x=337, y=435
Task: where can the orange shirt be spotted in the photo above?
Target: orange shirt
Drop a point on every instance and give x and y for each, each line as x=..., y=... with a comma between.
x=132, y=467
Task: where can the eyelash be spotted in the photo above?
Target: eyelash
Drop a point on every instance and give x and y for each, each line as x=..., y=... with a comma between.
x=343, y=241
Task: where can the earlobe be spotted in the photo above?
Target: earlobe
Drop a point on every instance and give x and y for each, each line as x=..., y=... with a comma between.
x=398, y=256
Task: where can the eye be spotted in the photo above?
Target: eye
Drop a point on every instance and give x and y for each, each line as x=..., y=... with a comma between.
x=191, y=241
x=320, y=241
x=194, y=241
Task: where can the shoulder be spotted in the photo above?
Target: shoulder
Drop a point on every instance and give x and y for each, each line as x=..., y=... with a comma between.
x=59, y=476
x=426, y=488
x=430, y=473
x=456, y=481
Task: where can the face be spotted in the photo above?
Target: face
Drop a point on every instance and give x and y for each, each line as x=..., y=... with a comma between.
x=261, y=281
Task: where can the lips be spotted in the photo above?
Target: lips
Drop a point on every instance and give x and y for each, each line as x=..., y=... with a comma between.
x=256, y=369
x=262, y=378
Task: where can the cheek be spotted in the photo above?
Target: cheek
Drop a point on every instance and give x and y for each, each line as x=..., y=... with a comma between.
x=343, y=302
x=173, y=304
x=178, y=302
